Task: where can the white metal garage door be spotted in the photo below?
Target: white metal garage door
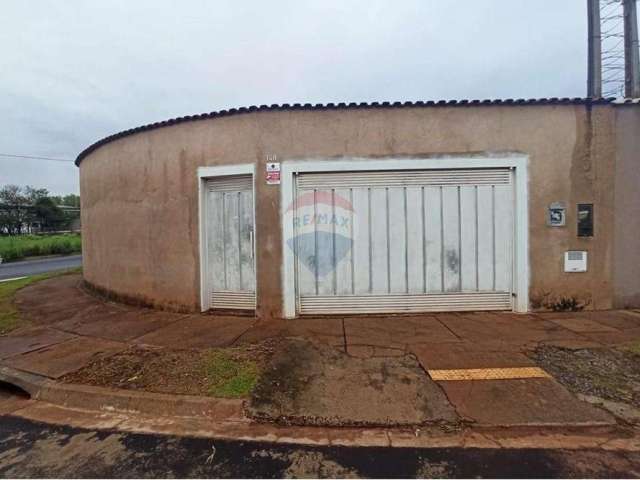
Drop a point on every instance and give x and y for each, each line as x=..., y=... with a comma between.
x=231, y=279
x=404, y=241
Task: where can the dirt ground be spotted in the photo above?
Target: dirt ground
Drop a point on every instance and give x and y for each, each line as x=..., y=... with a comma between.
x=182, y=372
x=311, y=383
x=606, y=376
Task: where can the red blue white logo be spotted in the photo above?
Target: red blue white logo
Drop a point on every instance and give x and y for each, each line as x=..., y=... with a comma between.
x=323, y=230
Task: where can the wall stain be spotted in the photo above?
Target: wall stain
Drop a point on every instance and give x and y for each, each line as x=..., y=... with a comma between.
x=452, y=260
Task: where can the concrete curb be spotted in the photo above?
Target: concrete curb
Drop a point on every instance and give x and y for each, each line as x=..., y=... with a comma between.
x=141, y=412
x=105, y=399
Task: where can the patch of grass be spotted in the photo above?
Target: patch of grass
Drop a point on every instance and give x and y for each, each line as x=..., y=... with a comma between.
x=230, y=372
x=16, y=247
x=9, y=315
x=229, y=376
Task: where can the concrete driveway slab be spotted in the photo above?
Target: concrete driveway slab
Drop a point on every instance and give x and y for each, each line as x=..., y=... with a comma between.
x=368, y=351
x=470, y=327
x=93, y=313
x=199, y=331
x=615, y=338
x=50, y=301
x=310, y=383
x=31, y=339
x=571, y=344
x=581, y=325
x=118, y=325
x=616, y=319
x=50, y=314
x=507, y=330
x=325, y=330
x=396, y=331
x=521, y=402
x=50, y=289
x=620, y=319
x=57, y=360
x=466, y=355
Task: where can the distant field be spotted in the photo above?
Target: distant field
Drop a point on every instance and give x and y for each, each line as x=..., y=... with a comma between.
x=21, y=246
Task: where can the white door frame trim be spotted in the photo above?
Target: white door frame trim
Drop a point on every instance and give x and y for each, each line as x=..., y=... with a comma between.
x=204, y=174
x=516, y=161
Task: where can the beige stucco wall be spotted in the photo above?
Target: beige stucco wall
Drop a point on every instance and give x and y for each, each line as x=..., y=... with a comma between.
x=626, y=263
x=140, y=193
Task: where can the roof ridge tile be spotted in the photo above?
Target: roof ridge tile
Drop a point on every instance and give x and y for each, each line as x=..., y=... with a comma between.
x=353, y=105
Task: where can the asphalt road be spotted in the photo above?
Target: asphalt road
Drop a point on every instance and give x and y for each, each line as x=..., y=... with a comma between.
x=41, y=265
x=32, y=449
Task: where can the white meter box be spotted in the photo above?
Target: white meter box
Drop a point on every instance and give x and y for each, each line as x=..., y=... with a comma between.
x=575, y=261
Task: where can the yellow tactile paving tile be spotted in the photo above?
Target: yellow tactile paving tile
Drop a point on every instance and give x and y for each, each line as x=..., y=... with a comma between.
x=488, y=374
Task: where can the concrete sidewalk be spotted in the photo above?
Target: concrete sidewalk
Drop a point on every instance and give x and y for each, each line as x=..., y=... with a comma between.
x=71, y=328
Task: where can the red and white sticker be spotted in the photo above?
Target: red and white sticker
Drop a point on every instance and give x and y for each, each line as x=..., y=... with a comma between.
x=273, y=173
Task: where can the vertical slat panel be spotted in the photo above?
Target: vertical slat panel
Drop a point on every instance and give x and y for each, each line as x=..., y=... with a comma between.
x=433, y=229
x=504, y=236
x=379, y=231
x=247, y=269
x=415, y=230
x=352, y=222
x=451, y=236
x=397, y=241
x=215, y=253
x=325, y=241
x=343, y=241
x=304, y=242
x=468, y=238
x=485, y=238
x=232, y=251
x=361, y=244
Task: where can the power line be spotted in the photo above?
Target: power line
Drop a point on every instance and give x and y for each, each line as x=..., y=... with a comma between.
x=32, y=157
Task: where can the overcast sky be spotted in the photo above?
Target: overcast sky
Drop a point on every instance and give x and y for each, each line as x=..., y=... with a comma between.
x=72, y=72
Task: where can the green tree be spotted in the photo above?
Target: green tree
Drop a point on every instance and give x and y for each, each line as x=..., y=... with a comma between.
x=48, y=214
x=71, y=200
x=15, y=209
x=34, y=194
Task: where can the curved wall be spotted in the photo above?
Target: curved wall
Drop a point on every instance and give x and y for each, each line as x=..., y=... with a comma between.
x=140, y=192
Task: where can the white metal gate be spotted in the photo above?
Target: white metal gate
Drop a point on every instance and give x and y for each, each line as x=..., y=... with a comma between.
x=230, y=277
x=404, y=241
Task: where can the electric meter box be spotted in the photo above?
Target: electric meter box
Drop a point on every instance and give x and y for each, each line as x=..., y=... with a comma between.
x=575, y=261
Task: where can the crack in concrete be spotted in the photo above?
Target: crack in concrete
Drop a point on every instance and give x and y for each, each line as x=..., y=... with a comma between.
x=441, y=388
x=237, y=338
x=450, y=330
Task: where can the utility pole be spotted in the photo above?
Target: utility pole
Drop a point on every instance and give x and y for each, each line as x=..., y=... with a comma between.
x=631, y=50
x=594, y=69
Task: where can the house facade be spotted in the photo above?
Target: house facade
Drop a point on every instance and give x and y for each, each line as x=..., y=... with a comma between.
x=295, y=210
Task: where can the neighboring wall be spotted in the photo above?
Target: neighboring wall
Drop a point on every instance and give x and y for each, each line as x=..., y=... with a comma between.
x=626, y=261
x=140, y=193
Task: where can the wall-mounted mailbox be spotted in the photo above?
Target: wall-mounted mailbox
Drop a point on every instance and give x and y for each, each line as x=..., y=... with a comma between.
x=585, y=219
x=557, y=215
